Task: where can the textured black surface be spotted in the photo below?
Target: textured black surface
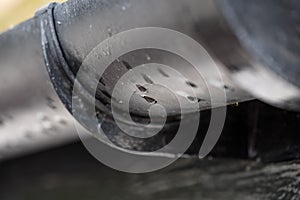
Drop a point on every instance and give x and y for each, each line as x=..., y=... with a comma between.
x=65, y=49
x=71, y=173
x=247, y=129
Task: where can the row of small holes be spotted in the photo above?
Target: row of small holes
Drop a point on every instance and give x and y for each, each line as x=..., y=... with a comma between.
x=150, y=81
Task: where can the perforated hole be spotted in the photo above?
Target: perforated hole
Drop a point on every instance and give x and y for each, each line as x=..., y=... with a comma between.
x=127, y=65
x=142, y=88
x=191, y=84
x=150, y=100
x=147, y=79
x=150, y=83
x=162, y=72
x=102, y=81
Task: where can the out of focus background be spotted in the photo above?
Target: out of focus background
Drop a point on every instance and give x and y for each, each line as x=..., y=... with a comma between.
x=12, y=12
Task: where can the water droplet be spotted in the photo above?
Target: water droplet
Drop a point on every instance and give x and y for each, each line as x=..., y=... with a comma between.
x=110, y=32
x=148, y=58
x=236, y=104
x=192, y=99
x=182, y=93
x=106, y=53
x=51, y=103
x=47, y=125
x=60, y=120
x=99, y=128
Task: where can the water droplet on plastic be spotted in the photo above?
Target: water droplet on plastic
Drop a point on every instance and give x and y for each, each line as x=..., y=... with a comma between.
x=110, y=32
x=47, y=125
x=51, y=103
x=60, y=120
x=148, y=58
x=99, y=128
x=192, y=99
x=106, y=53
x=236, y=104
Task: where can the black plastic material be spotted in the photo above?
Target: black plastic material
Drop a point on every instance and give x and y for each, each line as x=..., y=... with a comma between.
x=58, y=68
x=63, y=56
